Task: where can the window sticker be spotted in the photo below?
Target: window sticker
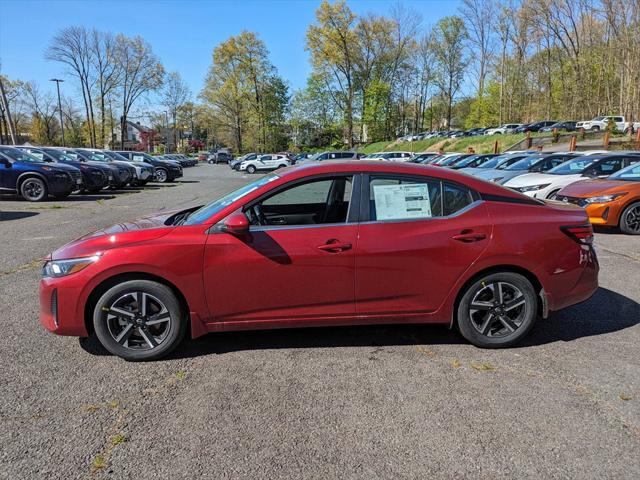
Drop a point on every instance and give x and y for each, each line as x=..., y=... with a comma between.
x=402, y=201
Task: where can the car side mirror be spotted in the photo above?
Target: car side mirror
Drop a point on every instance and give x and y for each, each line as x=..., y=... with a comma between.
x=235, y=224
x=6, y=163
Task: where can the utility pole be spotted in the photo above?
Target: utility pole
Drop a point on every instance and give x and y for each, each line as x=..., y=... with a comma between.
x=166, y=132
x=57, y=80
x=7, y=112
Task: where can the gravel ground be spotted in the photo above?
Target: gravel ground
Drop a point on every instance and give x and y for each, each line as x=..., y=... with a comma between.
x=354, y=402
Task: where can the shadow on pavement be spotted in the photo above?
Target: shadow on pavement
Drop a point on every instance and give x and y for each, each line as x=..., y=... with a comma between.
x=5, y=216
x=605, y=312
x=607, y=230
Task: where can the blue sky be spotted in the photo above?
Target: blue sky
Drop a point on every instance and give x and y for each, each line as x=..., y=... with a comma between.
x=182, y=33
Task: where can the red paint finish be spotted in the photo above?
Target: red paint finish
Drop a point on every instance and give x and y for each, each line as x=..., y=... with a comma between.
x=351, y=273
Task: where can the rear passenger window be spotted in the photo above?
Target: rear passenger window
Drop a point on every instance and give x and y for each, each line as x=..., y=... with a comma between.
x=400, y=199
x=456, y=197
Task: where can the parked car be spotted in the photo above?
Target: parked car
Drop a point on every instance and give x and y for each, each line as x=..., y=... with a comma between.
x=35, y=179
x=611, y=202
x=219, y=157
x=602, y=123
x=390, y=156
x=302, y=156
x=560, y=126
x=504, y=129
x=473, y=161
x=535, y=127
x=453, y=159
x=235, y=163
x=264, y=162
x=122, y=173
x=524, y=164
x=504, y=159
x=546, y=185
x=422, y=157
x=141, y=173
x=182, y=159
x=95, y=176
x=318, y=157
x=453, y=254
x=164, y=170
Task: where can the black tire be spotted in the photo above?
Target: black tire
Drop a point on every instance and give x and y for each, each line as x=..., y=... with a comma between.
x=162, y=175
x=138, y=338
x=34, y=189
x=251, y=169
x=595, y=128
x=500, y=325
x=61, y=196
x=552, y=195
x=630, y=219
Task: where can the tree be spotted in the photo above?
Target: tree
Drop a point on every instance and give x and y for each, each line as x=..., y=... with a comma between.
x=43, y=122
x=108, y=70
x=175, y=95
x=450, y=59
x=332, y=43
x=142, y=73
x=72, y=47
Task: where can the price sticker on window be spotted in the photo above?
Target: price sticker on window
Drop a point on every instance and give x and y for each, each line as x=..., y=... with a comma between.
x=394, y=202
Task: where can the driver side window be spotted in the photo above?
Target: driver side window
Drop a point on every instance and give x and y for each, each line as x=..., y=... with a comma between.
x=317, y=202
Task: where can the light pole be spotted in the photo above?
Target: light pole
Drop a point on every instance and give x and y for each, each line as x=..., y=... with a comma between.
x=57, y=80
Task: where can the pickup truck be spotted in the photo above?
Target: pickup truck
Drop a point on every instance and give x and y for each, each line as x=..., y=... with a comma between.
x=601, y=123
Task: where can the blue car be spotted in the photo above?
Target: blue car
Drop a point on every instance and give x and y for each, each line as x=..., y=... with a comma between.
x=35, y=179
x=95, y=176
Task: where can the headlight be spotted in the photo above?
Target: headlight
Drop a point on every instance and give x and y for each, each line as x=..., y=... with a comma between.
x=604, y=198
x=62, y=268
x=533, y=188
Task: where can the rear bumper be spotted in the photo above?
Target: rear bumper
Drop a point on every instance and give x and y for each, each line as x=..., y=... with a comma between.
x=564, y=288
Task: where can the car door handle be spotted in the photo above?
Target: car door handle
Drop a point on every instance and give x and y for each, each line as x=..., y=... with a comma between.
x=334, y=246
x=469, y=236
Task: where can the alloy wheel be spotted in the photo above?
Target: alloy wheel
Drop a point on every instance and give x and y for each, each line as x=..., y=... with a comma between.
x=138, y=321
x=161, y=175
x=32, y=189
x=497, y=309
x=632, y=218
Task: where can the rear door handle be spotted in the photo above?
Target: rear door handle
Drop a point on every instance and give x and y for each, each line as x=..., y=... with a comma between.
x=334, y=246
x=467, y=236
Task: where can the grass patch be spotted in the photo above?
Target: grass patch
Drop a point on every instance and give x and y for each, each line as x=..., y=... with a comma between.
x=118, y=439
x=181, y=374
x=482, y=367
x=98, y=463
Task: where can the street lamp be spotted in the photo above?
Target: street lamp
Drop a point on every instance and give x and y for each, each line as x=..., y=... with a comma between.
x=58, y=80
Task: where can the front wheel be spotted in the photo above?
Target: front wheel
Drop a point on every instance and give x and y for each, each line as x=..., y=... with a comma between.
x=162, y=176
x=497, y=310
x=630, y=219
x=139, y=320
x=33, y=189
x=251, y=169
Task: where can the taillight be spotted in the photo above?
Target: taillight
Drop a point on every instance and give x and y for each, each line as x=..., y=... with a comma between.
x=582, y=234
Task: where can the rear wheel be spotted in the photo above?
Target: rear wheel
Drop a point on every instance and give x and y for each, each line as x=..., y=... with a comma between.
x=630, y=219
x=33, y=189
x=497, y=310
x=139, y=320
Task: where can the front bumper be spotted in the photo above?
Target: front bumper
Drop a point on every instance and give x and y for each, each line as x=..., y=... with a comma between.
x=59, y=303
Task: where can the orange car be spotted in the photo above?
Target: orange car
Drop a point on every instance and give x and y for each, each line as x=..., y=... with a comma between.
x=613, y=201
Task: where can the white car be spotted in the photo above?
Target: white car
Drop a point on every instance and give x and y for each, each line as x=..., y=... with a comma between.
x=264, y=162
x=506, y=128
x=546, y=185
x=390, y=156
x=601, y=123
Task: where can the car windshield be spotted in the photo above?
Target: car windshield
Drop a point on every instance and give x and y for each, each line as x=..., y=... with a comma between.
x=570, y=167
x=116, y=156
x=316, y=156
x=60, y=156
x=466, y=161
x=19, y=155
x=495, y=162
x=450, y=160
x=214, y=207
x=525, y=163
x=629, y=174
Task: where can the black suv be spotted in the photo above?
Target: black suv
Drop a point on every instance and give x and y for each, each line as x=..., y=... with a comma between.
x=35, y=179
x=166, y=170
x=95, y=177
x=122, y=174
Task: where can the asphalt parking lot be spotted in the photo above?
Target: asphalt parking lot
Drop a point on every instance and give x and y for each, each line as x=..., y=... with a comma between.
x=356, y=402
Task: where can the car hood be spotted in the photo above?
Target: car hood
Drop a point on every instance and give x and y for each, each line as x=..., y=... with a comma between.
x=488, y=174
x=59, y=167
x=541, y=178
x=592, y=188
x=118, y=235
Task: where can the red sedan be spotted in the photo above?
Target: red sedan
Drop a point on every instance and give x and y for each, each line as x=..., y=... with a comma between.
x=326, y=244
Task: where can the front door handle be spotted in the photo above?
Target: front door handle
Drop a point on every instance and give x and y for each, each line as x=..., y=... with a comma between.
x=469, y=236
x=334, y=246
